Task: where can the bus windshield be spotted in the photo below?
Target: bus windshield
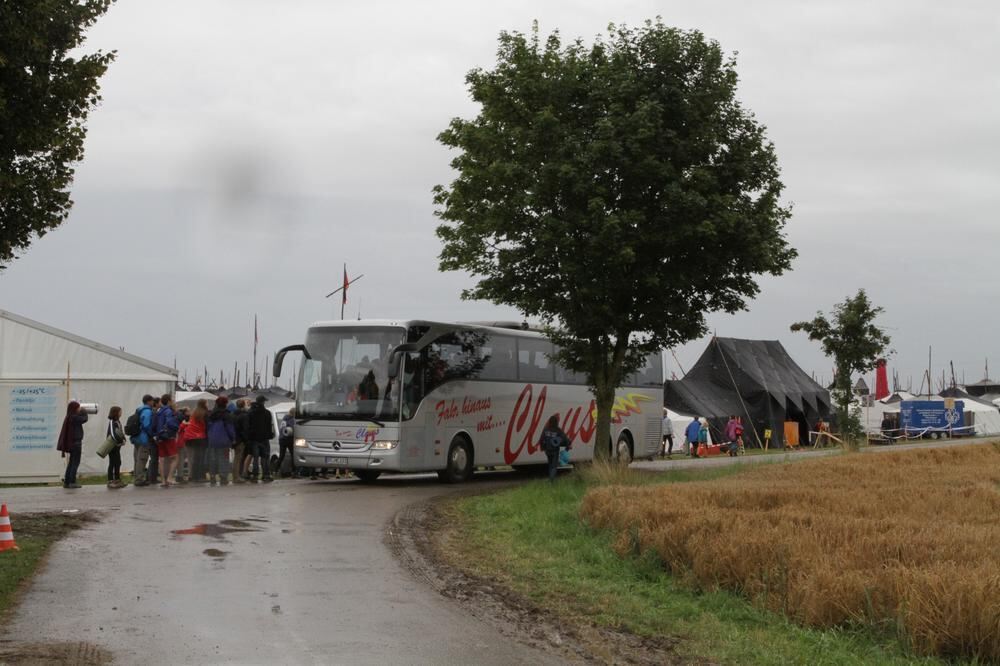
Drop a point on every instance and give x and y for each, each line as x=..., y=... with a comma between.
x=346, y=378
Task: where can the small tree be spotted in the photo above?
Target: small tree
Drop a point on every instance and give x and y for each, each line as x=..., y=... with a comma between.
x=851, y=338
x=618, y=192
x=45, y=96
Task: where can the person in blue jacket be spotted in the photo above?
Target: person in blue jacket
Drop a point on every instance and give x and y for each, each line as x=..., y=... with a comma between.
x=142, y=441
x=691, y=434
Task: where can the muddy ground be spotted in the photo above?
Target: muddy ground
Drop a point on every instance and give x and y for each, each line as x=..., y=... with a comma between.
x=418, y=537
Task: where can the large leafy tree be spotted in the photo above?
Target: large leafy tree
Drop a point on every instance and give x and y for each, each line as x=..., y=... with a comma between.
x=851, y=338
x=618, y=191
x=45, y=96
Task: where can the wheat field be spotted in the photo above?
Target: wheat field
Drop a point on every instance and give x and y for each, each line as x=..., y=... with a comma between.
x=907, y=542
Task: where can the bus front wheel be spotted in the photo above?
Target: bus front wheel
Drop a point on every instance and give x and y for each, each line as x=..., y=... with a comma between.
x=366, y=475
x=459, y=467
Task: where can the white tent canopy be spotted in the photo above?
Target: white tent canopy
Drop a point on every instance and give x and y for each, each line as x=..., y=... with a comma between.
x=985, y=417
x=41, y=369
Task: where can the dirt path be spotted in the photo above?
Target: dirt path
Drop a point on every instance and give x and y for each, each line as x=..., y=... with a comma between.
x=418, y=536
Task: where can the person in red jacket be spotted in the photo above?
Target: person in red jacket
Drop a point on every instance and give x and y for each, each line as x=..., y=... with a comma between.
x=197, y=442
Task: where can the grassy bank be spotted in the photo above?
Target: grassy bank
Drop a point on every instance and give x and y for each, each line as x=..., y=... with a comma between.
x=34, y=533
x=531, y=539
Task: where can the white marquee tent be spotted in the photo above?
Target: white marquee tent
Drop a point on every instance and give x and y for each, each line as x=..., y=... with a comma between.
x=41, y=370
x=986, y=418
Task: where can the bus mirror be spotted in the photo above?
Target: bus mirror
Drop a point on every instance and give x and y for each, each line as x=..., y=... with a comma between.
x=393, y=369
x=279, y=358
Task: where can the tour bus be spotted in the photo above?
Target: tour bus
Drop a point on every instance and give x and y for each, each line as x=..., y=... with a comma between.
x=380, y=396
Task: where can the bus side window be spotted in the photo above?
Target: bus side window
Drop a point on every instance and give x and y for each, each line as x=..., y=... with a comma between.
x=533, y=364
x=566, y=376
x=499, y=353
x=650, y=374
x=455, y=355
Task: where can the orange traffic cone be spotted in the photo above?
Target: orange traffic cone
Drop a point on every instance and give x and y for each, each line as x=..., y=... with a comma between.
x=6, y=533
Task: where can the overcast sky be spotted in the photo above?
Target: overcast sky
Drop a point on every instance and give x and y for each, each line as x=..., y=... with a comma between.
x=246, y=149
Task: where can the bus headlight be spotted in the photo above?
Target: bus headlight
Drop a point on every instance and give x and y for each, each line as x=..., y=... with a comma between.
x=300, y=443
x=384, y=446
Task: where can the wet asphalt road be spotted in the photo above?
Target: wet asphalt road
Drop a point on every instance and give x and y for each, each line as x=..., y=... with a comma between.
x=310, y=581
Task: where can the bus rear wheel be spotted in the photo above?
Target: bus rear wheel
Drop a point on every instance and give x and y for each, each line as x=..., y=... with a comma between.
x=624, y=449
x=459, y=467
x=366, y=475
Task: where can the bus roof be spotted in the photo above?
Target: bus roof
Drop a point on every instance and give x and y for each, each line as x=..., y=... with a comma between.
x=495, y=327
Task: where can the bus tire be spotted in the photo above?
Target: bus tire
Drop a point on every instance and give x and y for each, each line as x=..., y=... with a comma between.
x=367, y=475
x=459, y=462
x=623, y=450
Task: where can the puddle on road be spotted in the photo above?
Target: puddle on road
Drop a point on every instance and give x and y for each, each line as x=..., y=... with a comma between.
x=215, y=553
x=217, y=530
x=236, y=523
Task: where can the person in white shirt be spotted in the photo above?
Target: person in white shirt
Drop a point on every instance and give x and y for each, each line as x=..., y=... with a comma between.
x=668, y=436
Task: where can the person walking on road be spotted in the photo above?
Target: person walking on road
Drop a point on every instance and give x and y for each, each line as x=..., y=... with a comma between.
x=142, y=441
x=71, y=442
x=116, y=433
x=285, y=441
x=167, y=445
x=221, y=435
x=260, y=431
x=668, y=435
x=553, y=439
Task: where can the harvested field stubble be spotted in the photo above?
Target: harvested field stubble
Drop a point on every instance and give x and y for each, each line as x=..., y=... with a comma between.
x=907, y=542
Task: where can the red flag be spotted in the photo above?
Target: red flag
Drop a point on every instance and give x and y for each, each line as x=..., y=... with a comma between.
x=346, y=283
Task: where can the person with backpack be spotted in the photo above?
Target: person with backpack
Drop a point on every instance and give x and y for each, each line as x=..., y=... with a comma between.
x=221, y=437
x=553, y=439
x=116, y=433
x=167, y=445
x=260, y=431
x=139, y=428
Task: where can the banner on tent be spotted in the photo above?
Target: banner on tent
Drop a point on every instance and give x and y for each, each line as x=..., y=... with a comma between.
x=33, y=415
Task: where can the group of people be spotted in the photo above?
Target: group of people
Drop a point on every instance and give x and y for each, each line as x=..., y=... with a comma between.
x=697, y=436
x=227, y=442
x=230, y=441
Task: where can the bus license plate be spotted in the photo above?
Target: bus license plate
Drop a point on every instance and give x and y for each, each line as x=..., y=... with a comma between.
x=336, y=461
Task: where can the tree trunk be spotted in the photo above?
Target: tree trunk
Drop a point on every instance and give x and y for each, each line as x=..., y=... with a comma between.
x=604, y=398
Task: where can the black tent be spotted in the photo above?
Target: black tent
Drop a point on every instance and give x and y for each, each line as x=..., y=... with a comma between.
x=754, y=379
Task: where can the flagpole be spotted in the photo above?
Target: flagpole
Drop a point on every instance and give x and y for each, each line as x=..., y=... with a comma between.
x=254, y=379
x=343, y=300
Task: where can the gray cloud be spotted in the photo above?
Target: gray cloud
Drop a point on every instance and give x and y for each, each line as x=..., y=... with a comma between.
x=246, y=150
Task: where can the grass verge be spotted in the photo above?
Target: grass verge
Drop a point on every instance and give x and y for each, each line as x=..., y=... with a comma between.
x=532, y=541
x=34, y=533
